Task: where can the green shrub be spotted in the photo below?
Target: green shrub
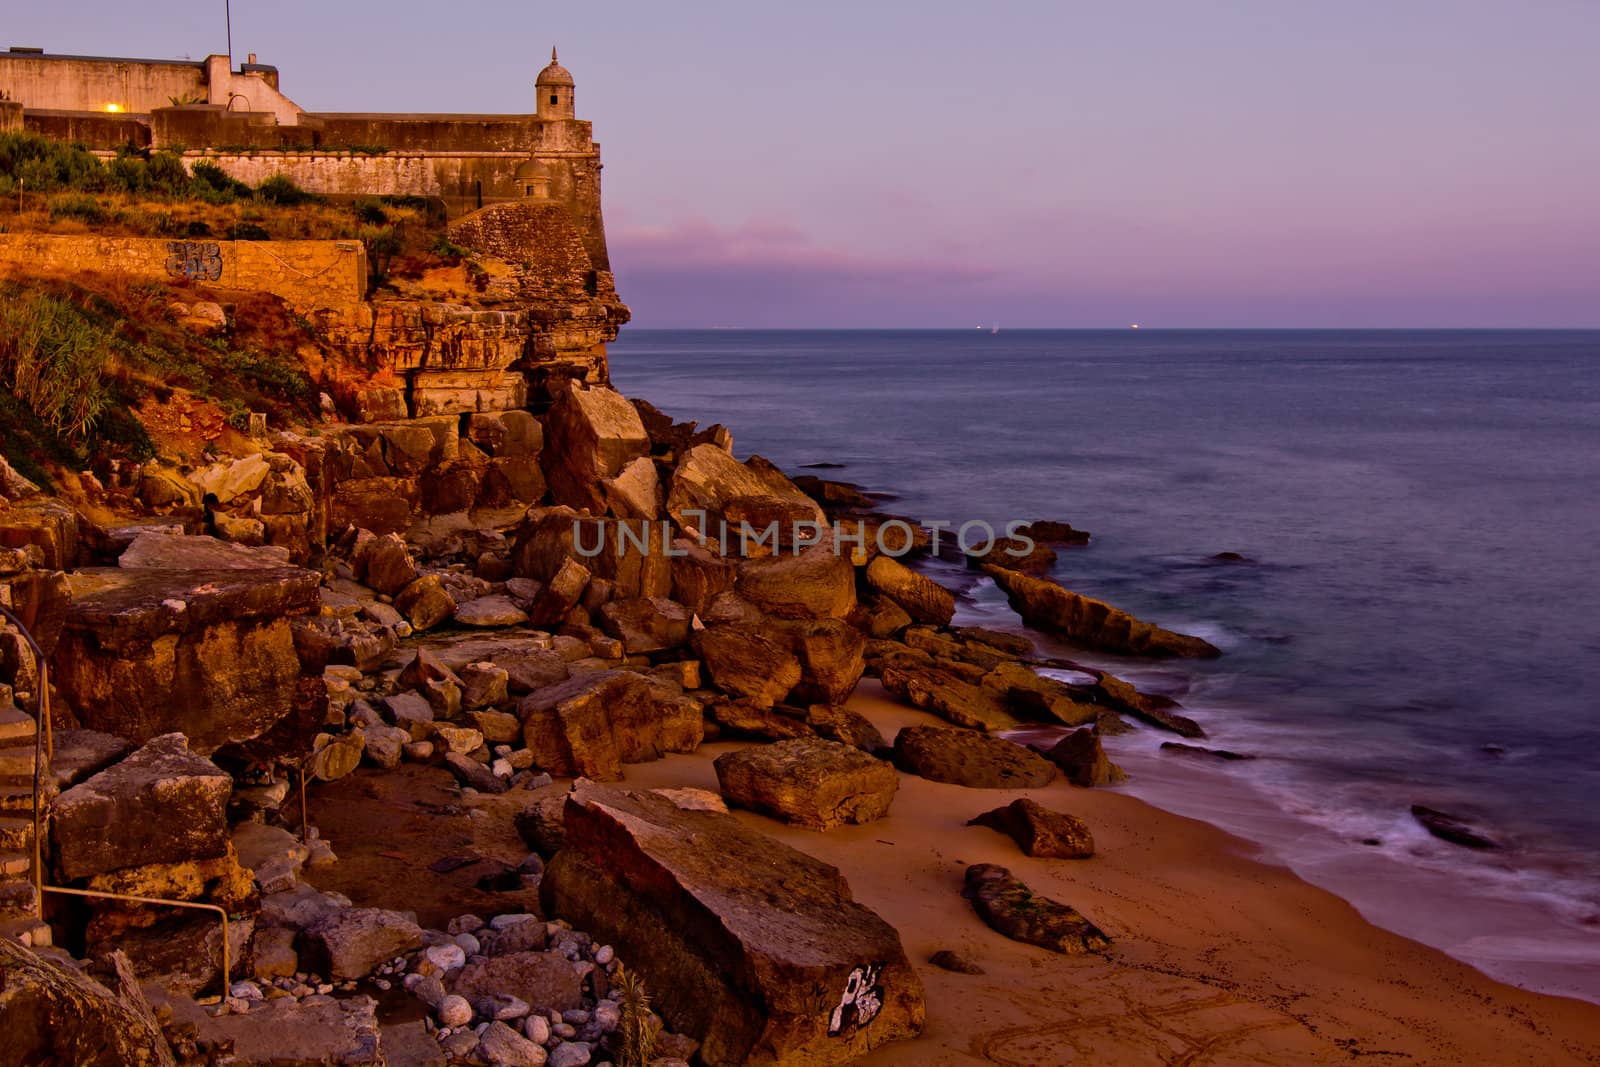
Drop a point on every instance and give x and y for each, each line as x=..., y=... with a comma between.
x=77, y=206
x=369, y=212
x=167, y=174
x=52, y=359
x=445, y=248
x=248, y=231
x=280, y=189
x=43, y=165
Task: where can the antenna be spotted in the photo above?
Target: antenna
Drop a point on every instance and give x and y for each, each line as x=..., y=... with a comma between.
x=227, y=8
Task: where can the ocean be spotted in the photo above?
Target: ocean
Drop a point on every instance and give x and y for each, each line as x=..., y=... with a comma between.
x=1416, y=619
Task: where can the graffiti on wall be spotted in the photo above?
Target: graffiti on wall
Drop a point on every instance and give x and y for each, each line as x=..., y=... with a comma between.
x=199, y=261
x=862, y=1000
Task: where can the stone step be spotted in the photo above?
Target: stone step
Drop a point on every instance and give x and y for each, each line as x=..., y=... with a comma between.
x=16, y=727
x=15, y=864
x=16, y=764
x=28, y=930
x=16, y=799
x=16, y=834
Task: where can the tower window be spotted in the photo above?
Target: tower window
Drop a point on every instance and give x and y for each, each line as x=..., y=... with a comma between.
x=554, y=99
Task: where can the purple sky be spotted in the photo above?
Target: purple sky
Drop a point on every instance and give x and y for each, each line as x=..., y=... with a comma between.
x=1364, y=163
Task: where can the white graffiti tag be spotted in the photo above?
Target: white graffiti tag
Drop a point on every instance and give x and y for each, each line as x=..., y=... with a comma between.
x=862, y=1000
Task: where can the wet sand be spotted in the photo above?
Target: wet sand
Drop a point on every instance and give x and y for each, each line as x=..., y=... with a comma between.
x=1217, y=957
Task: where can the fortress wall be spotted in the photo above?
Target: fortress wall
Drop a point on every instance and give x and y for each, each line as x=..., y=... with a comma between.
x=462, y=181
x=95, y=129
x=307, y=274
x=79, y=83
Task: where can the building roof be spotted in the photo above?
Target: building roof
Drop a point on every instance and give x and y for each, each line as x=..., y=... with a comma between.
x=555, y=73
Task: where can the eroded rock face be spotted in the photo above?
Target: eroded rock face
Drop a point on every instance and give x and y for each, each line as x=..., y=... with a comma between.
x=163, y=804
x=746, y=663
x=924, y=599
x=810, y=782
x=963, y=757
x=592, y=435
x=752, y=947
x=595, y=722
x=53, y=1014
x=209, y=654
x=1038, y=831
x=1092, y=623
x=1011, y=908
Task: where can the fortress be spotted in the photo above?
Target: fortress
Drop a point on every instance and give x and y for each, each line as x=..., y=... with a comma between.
x=521, y=192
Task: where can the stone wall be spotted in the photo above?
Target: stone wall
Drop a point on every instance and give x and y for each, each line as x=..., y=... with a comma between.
x=308, y=274
x=88, y=83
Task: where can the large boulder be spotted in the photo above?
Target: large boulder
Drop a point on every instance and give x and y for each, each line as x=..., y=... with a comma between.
x=635, y=492
x=1012, y=909
x=747, y=945
x=592, y=434
x=1042, y=699
x=1083, y=759
x=177, y=552
x=354, y=942
x=976, y=707
x=594, y=722
x=924, y=599
x=1092, y=623
x=631, y=553
x=50, y=1013
x=162, y=804
x=964, y=757
x=831, y=654
x=815, y=582
x=745, y=662
x=646, y=624
x=699, y=575
x=810, y=782
x=210, y=654
x=544, y=981
x=708, y=480
x=1038, y=831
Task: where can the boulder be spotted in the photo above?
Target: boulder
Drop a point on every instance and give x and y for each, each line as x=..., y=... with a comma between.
x=210, y=654
x=846, y=726
x=55, y=1014
x=594, y=722
x=354, y=942
x=178, y=552
x=162, y=804
x=942, y=692
x=543, y=981
x=230, y=479
x=1038, y=698
x=333, y=757
x=740, y=718
x=1083, y=760
x=490, y=611
x=628, y=552
x=635, y=492
x=646, y=624
x=744, y=662
x=45, y=524
x=813, y=583
x=285, y=1031
x=559, y=595
x=1092, y=623
x=809, y=782
x=747, y=945
x=386, y=565
x=707, y=479
x=831, y=654
x=1012, y=909
x=1452, y=828
x=963, y=757
x=425, y=603
x=592, y=435
x=924, y=599
x=699, y=574
x=1038, y=831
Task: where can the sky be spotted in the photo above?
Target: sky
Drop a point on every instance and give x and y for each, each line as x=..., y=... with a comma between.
x=1239, y=163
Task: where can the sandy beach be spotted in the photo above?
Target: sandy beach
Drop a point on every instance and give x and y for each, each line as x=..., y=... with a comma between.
x=1217, y=957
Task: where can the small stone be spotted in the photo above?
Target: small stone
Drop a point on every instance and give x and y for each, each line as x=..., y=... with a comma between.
x=468, y=943
x=446, y=957
x=604, y=955
x=501, y=1046
x=537, y=1027
x=570, y=1054
x=427, y=989
x=949, y=960
x=564, y=1030
x=454, y=1011
x=500, y=922
x=607, y=1016
x=465, y=924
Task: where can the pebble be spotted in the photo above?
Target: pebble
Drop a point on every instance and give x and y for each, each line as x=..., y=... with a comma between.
x=446, y=957
x=454, y=1011
x=245, y=991
x=382, y=983
x=604, y=955
x=564, y=1030
x=325, y=988
x=569, y=1054
x=537, y=1027
x=469, y=944
x=608, y=1016
x=510, y=1007
x=465, y=924
x=575, y=1016
x=500, y=922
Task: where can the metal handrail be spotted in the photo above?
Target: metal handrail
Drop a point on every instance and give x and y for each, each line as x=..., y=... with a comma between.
x=43, y=754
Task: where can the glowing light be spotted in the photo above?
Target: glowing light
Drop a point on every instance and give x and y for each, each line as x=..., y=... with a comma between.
x=113, y=108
